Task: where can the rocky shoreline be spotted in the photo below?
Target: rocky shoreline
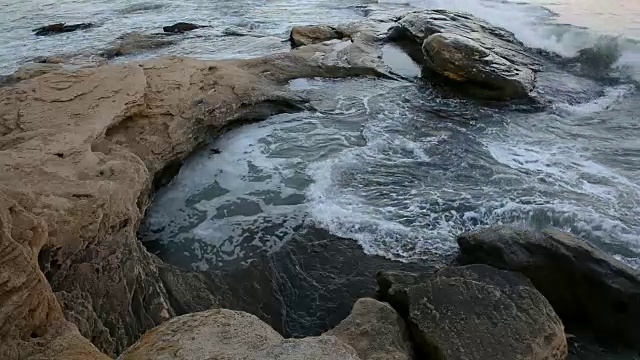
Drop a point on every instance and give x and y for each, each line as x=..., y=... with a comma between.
x=83, y=150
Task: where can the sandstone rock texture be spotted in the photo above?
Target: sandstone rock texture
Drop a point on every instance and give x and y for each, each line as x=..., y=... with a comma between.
x=476, y=312
x=311, y=34
x=79, y=152
x=376, y=331
x=489, y=60
x=60, y=28
x=230, y=335
x=215, y=334
x=589, y=289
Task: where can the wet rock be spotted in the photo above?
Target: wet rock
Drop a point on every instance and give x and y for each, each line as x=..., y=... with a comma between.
x=133, y=43
x=60, y=28
x=312, y=34
x=589, y=289
x=102, y=134
x=465, y=60
x=476, y=312
x=488, y=60
x=230, y=335
x=305, y=288
x=376, y=331
x=182, y=27
x=213, y=334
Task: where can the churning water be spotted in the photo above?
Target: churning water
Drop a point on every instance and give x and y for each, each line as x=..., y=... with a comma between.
x=397, y=166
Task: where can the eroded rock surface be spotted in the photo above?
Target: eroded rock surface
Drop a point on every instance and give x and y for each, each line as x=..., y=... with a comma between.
x=215, y=334
x=471, y=51
x=79, y=151
x=376, y=331
x=588, y=288
x=476, y=312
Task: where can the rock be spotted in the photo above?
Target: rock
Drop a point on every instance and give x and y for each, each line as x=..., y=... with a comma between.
x=182, y=27
x=312, y=34
x=49, y=60
x=215, y=334
x=230, y=335
x=305, y=288
x=33, y=70
x=80, y=152
x=476, y=312
x=133, y=43
x=318, y=348
x=462, y=59
x=588, y=288
x=60, y=28
x=488, y=60
x=375, y=331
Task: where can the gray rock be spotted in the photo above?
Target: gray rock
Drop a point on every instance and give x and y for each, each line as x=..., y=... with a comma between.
x=468, y=50
x=588, y=288
x=133, y=43
x=476, y=312
x=376, y=331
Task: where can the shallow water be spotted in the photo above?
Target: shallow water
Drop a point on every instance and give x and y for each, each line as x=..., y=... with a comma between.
x=397, y=166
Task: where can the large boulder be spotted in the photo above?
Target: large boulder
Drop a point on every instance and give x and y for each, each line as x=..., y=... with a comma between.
x=376, y=331
x=588, y=288
x=488, y=60
x=476, y=312
x=215, y=334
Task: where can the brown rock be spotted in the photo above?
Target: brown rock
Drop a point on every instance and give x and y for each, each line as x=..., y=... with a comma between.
x=78, y=155
x=476, y=312
x=312, y=34
x=375, y=331
x=215, y=334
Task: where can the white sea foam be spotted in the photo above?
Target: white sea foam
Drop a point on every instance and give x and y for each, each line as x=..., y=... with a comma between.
x=610, y=97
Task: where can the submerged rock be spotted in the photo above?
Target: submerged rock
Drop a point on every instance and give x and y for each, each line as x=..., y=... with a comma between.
x=588, y=288
x=311, y=34
x=133, y=43
x=376, y=331
x=476, y=312
x=305, y=288
x=60, y=28
x=488, y=60
x=182, y=27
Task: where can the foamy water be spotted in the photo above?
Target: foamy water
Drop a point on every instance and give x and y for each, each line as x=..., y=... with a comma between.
x=395, y=166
